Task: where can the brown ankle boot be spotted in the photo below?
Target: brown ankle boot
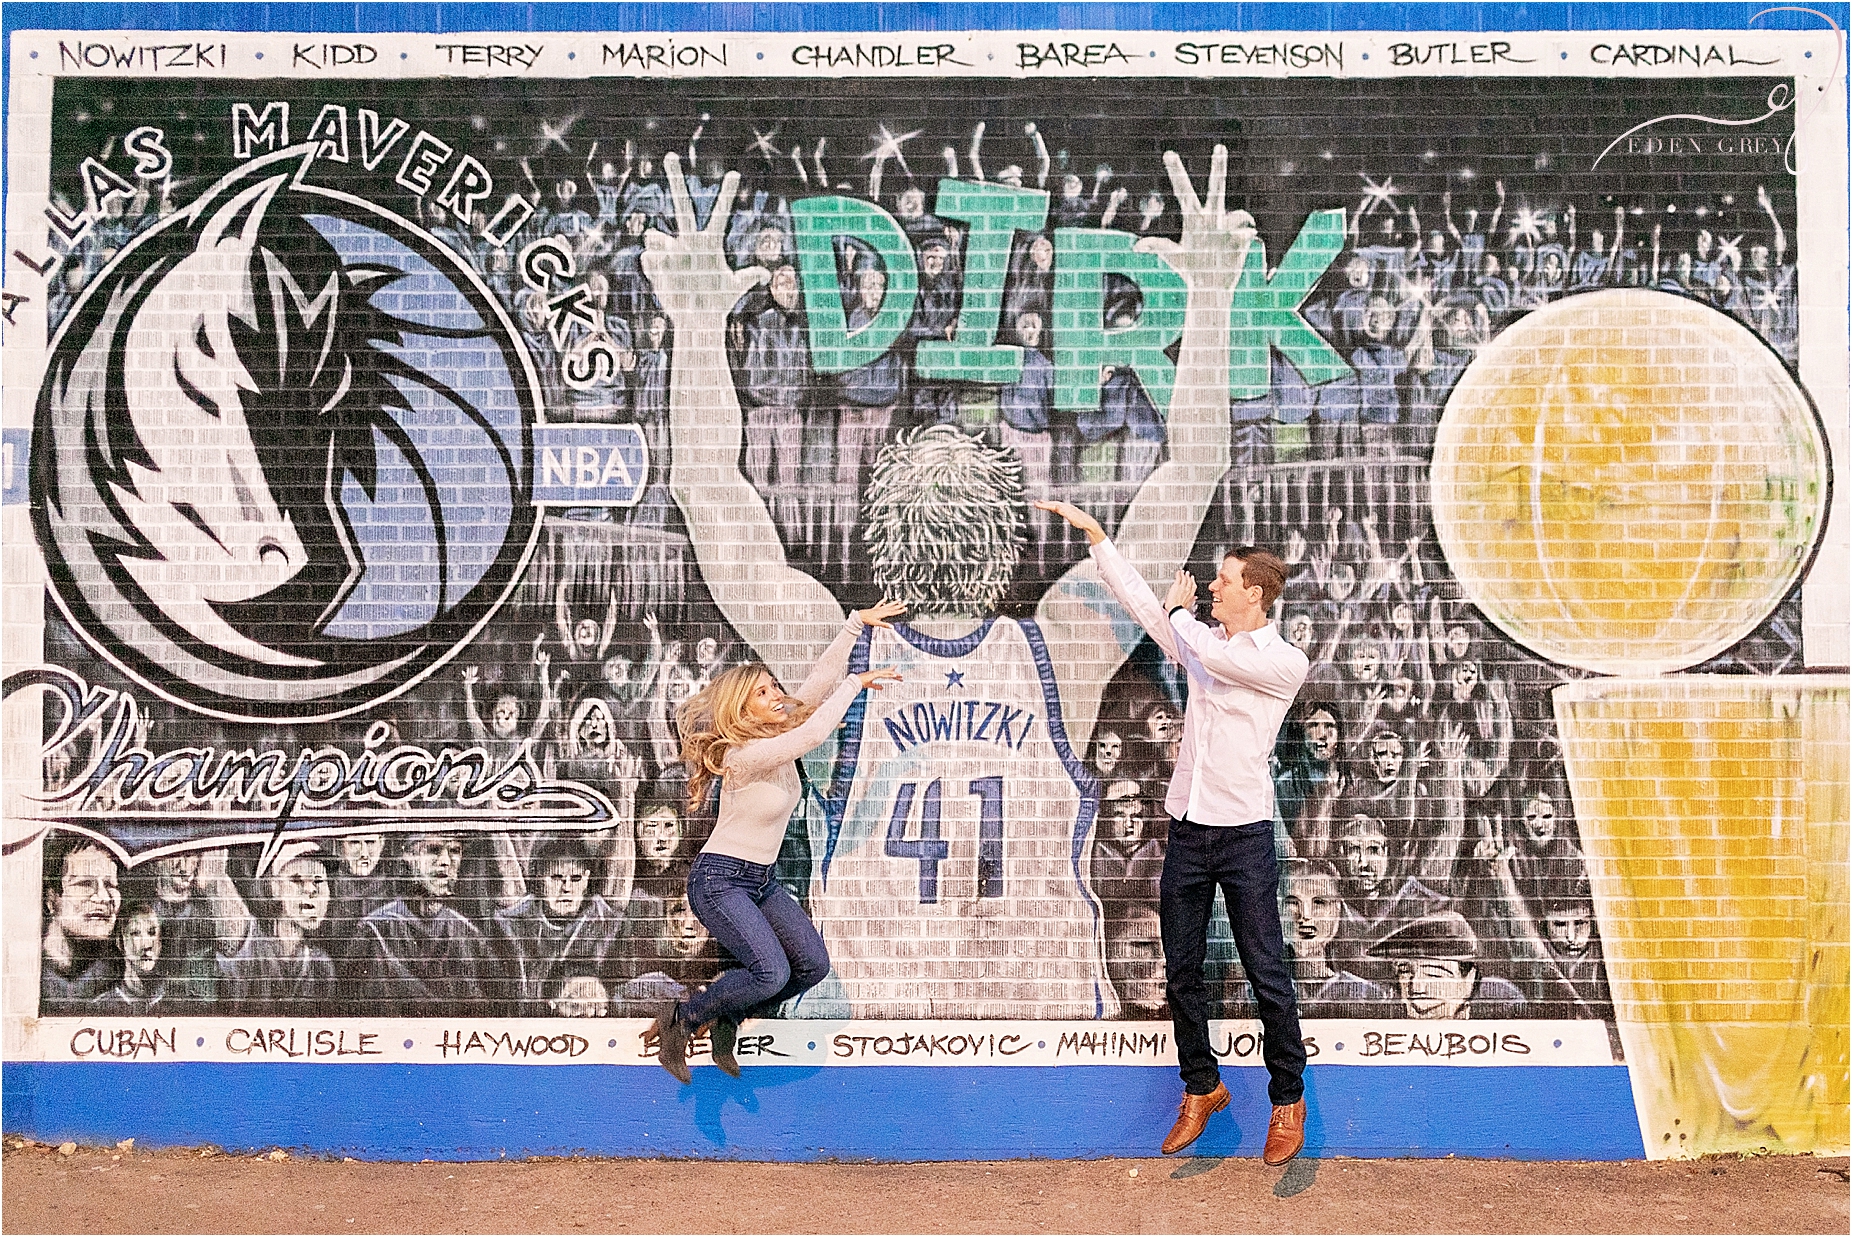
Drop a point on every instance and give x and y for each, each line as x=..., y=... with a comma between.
x=671, y=1040
x=1192, y=1115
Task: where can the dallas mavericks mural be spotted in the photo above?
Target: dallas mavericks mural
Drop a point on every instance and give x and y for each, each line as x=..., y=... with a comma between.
x=256, y=410
x=408, y=450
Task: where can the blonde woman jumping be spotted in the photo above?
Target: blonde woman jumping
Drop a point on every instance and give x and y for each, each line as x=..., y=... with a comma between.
x=743, y=729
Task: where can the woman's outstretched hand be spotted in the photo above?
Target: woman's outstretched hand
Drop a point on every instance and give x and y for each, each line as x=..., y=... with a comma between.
x=873, y=679
x=879, y=614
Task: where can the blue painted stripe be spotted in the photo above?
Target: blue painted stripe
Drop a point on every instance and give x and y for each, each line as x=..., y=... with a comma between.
x=843, y=779
x=782, y=1113
x=938, y=647
x=1077, y=770
x=793, y=17
x=798, y=16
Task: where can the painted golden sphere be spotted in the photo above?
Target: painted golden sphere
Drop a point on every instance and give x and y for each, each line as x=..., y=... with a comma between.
x=1628, y=481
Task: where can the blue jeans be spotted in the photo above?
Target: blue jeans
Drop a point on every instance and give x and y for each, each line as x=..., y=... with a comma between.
x=762, y=926
x=1241, y=861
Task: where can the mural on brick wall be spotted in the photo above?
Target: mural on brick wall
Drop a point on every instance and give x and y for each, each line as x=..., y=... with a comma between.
x=407, y=451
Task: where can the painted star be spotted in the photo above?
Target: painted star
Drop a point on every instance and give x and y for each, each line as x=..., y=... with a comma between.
x=1527, y=225
x=954, y=678
x=888, y=147
x=1375, y=195
x=556, y=134
x=762, y=142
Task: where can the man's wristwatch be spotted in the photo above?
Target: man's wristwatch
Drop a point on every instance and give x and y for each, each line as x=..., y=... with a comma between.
x=1172, y=613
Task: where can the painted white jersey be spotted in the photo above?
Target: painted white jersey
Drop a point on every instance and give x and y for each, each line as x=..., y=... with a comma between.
x=952, y=881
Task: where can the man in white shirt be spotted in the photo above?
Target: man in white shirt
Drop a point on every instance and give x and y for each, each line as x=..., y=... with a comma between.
x=1243, y=677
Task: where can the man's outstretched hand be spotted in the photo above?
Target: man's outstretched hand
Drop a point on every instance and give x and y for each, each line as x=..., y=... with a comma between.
x=1215, y=239
x=688, y=271
x=1075, y=516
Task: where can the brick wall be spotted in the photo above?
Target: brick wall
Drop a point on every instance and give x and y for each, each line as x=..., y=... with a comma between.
x=387, y=358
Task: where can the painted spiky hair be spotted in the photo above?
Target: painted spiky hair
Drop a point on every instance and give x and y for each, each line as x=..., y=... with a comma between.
x=943, y=520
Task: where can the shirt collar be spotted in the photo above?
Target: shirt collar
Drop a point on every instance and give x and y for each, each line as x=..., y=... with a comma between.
x=1264, y=635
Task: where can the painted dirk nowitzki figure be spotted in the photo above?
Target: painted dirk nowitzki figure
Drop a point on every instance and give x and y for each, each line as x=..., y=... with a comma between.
x=959, y=794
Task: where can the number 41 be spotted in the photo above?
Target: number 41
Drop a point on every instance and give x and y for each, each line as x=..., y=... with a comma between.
x=929, y=848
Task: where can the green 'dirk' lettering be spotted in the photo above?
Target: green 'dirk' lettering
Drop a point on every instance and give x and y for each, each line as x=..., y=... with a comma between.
x=817, y=223
x=996, y=213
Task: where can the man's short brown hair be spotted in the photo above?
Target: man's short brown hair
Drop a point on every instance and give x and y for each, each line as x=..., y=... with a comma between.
x=1264, y=568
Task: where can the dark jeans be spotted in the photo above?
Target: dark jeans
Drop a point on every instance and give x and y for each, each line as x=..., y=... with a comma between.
x=1240, y=859
x=762, y=926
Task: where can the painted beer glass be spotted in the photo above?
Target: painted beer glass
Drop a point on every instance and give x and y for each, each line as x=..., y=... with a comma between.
x=1630, y=482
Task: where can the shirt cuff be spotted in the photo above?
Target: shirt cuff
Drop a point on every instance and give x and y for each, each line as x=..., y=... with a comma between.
x=849, y=689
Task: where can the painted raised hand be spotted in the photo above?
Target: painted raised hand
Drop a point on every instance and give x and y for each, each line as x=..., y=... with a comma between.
x=1215, y=239
x=1492, y=844
x=688, y=270
x=627, y=769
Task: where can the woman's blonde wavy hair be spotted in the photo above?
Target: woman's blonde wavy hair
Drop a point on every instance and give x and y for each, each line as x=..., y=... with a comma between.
x=714, y=721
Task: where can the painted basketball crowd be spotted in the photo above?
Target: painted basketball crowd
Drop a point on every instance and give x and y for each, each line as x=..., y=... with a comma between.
x=428, y=924
x=1431, y=865
x=1432, y=868
x=1407, y=305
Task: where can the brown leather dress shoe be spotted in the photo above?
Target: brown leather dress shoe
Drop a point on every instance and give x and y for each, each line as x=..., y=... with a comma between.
x=1192, y=1116
x=1285, y=1133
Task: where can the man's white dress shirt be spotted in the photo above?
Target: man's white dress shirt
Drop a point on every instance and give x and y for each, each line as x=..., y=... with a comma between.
x=1240, y=689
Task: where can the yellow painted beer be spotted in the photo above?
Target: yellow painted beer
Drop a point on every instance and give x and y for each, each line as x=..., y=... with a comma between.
x=1714, y=814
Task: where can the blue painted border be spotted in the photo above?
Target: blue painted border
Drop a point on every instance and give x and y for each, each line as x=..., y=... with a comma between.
x=795, y=16
x=475, y=1112
x=798, y=16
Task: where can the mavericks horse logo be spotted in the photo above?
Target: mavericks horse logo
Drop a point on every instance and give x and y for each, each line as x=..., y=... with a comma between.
x=281, y=458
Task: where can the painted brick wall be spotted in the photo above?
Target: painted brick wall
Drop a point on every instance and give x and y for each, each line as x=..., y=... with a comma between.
x=400, y=462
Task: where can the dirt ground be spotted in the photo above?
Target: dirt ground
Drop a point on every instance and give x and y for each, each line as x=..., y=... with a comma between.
x=88, y=1190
